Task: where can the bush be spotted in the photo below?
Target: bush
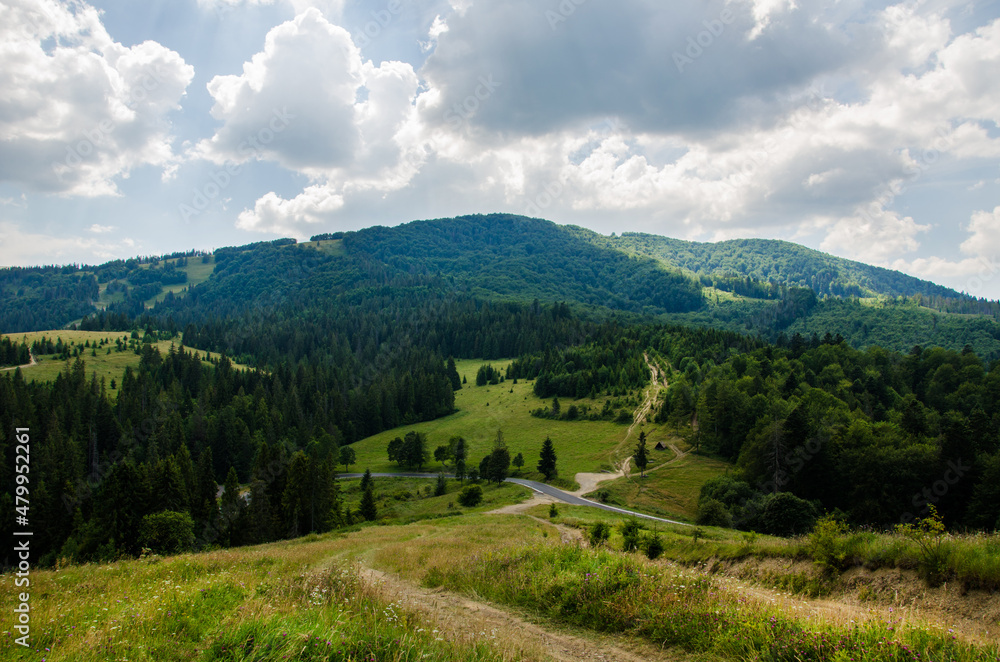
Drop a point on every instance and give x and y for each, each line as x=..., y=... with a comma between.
x=653, y=545
x=630, y=529
x=929, y=535
x=168, y=532
x=826, y=544
x=470, y=496
x=712, y=512
x=553, y=511
x=599, y=534
x=787, y=515
x=728, y=490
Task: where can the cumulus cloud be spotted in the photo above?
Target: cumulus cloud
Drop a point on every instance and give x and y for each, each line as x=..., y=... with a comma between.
x=781, y=116
x=984, y=230
x=79, y=109
x=352, y=128
x=26, y=248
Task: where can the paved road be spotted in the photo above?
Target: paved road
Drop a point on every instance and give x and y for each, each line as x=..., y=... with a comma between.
x=538, y=487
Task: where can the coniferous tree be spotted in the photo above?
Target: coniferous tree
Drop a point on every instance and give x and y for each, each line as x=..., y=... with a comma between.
x=368, y=509
x=640, y=456
x=547, y=460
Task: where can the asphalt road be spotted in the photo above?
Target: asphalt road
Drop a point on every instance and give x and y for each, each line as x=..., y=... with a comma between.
x=554, y=492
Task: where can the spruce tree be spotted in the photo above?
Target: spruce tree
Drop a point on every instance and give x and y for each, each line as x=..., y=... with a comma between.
x=368, y=509
x=641, y=457
x=547, y=460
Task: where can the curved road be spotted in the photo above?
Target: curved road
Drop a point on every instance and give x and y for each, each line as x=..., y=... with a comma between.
x=541, y=488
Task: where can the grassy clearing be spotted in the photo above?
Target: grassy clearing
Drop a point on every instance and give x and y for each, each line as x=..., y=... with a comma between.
x=276, y=602
x=197, y=272
x=670, y=490
x=103, y=365
x=405, y=500
x=627, y=594
x=581, y=446
x=334, y=247
x=297, y=600
x=971, y=560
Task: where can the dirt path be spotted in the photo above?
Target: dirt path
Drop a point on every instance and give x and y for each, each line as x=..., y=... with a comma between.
x=589, y=481
x=678, y=456
x=26, y=365
x=460, y=619
x=903, y=599
x=639, y=417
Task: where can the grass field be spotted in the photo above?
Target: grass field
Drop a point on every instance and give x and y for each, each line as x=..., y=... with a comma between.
x=405, y=500
x=332, y=246
x=300, y=600
x=482, y=410
x=671, y=489
x=197, y=273
x=581, y=446
x=103, y=365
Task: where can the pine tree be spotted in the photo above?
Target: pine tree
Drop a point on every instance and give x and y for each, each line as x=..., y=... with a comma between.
x=368, y=509
x=547, y=460
x=452, y=371
x=640, y=456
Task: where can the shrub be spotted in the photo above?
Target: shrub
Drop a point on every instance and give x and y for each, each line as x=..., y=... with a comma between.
x=470, y=496
x=167, y=532
x=929, y=534
x=826, y=544
x=712, y=512
x=630, y=529
x=553, y=511
x=787, y=515
x=653, y=545
x=599, y=534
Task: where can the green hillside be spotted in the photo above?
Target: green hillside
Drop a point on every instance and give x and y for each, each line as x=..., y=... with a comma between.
x=779, y=262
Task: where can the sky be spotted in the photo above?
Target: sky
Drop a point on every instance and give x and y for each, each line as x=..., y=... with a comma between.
x=864, y=129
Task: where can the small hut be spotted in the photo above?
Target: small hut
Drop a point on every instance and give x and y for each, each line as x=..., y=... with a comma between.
x=660, y=446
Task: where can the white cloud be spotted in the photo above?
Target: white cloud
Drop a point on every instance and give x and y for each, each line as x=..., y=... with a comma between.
x=79, y=109
x=796, y=116
x=25, y=248
x=984, y=239
x=352, y=128
x=101, y=229
x=875, y=238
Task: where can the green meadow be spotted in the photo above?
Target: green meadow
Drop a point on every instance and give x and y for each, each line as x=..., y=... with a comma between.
x=482, y=410
x=99, y=363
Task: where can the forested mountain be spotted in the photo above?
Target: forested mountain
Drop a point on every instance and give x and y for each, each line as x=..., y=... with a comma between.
x=776, y=287
x=351, y=334
x=775, y=262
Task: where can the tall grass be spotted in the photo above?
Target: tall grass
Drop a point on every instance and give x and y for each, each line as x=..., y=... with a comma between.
x=275, y=603
x=624, y=594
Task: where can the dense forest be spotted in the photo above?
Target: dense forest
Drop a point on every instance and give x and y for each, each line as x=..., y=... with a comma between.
x=101, y=465
x=13, y=353
x=770, y=286
x=776, y=262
